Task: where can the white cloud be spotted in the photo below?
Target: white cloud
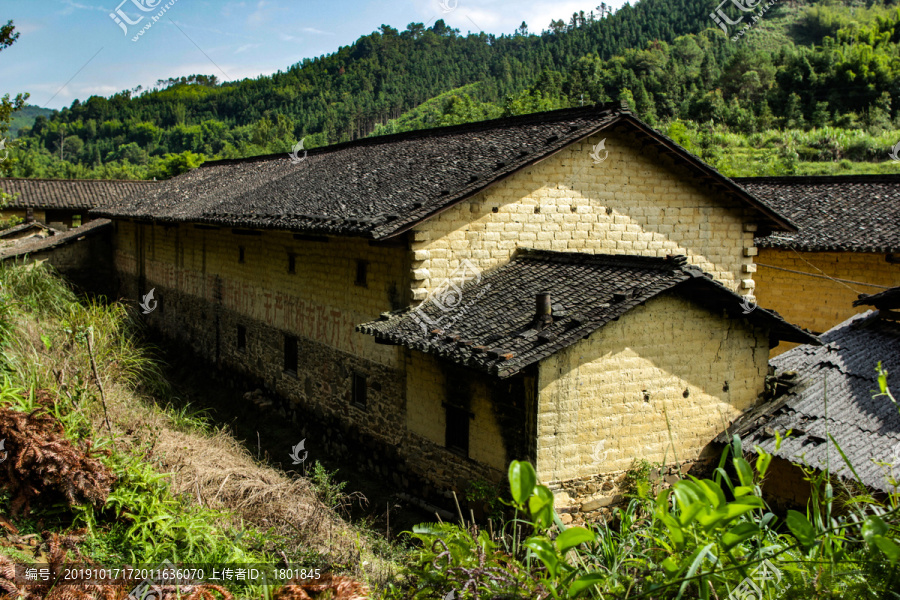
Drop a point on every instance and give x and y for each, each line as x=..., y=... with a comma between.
x=246, y=47
x=73, y=6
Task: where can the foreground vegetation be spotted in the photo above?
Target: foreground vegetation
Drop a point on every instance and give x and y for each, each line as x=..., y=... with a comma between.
x=101, y=471
x=101, y=463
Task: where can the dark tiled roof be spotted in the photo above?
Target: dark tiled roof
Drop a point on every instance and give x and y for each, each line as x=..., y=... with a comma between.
x=70, y=194
x=843, y=369
x=858, y=213
x=34, y=245
x=889, y=299
x=490, y=326
x=378, y=187
x=12, y=231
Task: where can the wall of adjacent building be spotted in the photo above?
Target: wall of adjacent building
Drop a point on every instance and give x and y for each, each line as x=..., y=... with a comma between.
x=7, y=213
x=812, y=298
x=631, y=203
x=667, y=365
x=500, y=429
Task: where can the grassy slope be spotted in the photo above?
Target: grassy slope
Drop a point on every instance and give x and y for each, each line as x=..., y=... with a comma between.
x=196, y=493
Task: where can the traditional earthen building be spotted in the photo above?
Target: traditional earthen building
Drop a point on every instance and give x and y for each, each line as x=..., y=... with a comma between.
x=452, y=299
x=847, y=243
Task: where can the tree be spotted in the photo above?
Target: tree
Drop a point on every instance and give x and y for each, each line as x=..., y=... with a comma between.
x=8, y=37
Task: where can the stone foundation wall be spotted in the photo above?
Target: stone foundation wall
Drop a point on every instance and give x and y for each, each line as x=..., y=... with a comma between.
x=205, y=293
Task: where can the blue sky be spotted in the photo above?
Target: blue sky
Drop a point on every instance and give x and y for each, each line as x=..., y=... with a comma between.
x=72, y=49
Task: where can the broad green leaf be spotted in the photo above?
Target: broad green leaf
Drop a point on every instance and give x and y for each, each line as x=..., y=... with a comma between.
x=585, y=582
x=873, y=526
x=737, y=446
x=545, y=551
x=888, y=546
x=573, y=536
x=540, y=504
x=744, y=471
x=743, y=490
x=724, y=514
x=737, y=534
x=763, y=459
x=713, y=492
x=801, y=528
x=522, y=479
x=671, y=567
x=676, y=534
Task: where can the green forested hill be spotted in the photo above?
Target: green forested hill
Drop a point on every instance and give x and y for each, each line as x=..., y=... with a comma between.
x=829, y=74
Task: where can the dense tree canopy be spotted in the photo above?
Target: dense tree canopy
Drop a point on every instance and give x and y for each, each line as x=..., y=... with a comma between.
x=666, y=58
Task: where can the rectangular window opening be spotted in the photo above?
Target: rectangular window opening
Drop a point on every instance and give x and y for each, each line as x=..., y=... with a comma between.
x=241, y=338
x=290, y=354
x=457, y=434
x=362, y=268
x=360, y=391
x=292, y=263
x=240, y=254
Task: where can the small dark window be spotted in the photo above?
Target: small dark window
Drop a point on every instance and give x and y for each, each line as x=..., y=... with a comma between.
x=240, y=254
x=362, y=268
x=290, y=354
x=457, y=435
x=360, y=391
x=292, y=263
x=241, y=338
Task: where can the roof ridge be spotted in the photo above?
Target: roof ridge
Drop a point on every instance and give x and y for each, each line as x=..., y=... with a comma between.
x=48, y=179
x=670, y=262
x=516, y=120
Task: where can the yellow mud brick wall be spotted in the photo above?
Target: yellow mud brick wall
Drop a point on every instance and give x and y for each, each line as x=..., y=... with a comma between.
x=604, y=401
x=39, y=215
x=426, y=416
x=320, y=301
x=631, y=203
x=816, y=302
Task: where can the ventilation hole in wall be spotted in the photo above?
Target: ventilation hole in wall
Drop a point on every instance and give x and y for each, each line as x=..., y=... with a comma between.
x=609, y=210
x=646, y=395
x=725, y=387
x=573, y=208
x=495, y=209
x=686, y=393
x=537, y=210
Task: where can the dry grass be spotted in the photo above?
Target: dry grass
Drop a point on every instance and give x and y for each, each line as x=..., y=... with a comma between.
x=206, y=465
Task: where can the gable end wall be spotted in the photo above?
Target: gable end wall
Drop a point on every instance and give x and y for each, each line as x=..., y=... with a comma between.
x=631, y=203
x=604, y=401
